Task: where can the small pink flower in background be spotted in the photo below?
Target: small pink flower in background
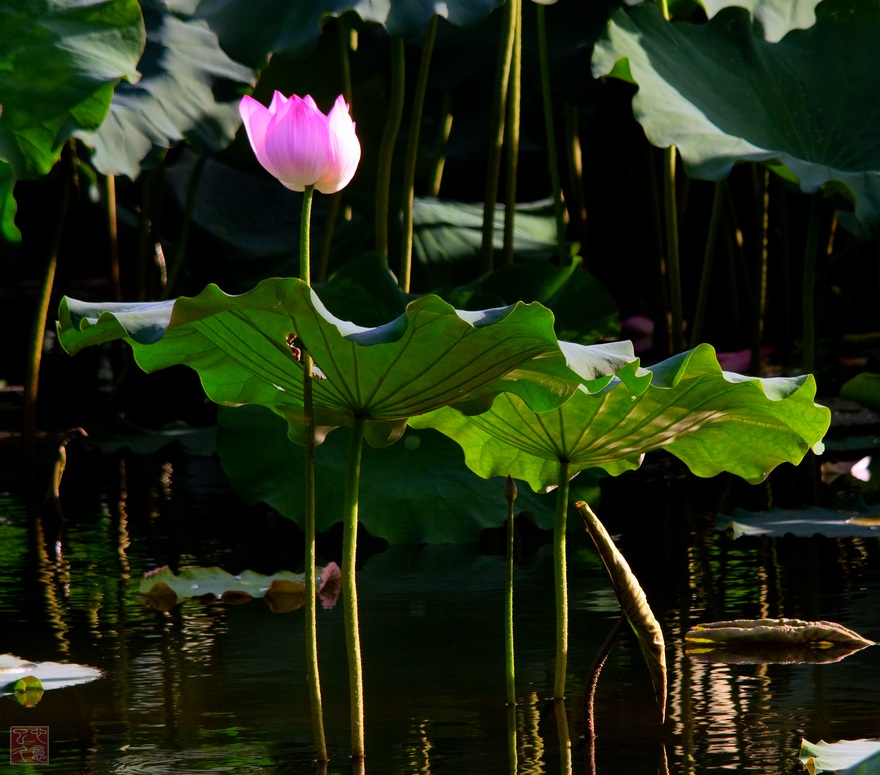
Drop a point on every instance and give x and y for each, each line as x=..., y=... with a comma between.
x=301, y=146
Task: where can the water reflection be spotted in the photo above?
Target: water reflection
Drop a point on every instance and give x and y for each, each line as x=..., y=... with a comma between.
x=213, y=688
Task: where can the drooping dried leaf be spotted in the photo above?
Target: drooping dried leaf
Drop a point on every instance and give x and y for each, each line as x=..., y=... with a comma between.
x=634, y=603
x=283, y=591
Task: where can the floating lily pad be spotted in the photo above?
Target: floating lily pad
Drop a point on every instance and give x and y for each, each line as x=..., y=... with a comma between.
x=26, y=681
x=804, y=523
x=853, y=757
x=283, y=591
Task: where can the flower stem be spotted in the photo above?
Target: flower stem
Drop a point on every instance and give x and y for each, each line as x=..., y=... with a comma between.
x=510, y=494
x=561, y=579
x=312, y=671
x=349, y=588
x=550, y=130
x=386, y=147
x=412, y=150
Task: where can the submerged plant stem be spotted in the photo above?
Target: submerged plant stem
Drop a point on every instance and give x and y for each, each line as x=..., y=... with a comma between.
x=349, y=588
x=561, y=580
x=508, y=630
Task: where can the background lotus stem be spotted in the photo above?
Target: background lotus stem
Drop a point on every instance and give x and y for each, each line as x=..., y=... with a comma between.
x=511, y=131
x=412, y=152
x=561, y=580
x=313, y=673
x=444, y=128
x=509, y=493
x=496, y=135
x=512, y=758
x=762, y=196
x=192, y=190
x=590, y=693
x=550, y=131
x=334, y=201
x=809, y=286
x=386, y=147
x=577, y=204
x=41, y=310
x=113, y=235
x=670, y=210
x=708, y=262
x=349, y=589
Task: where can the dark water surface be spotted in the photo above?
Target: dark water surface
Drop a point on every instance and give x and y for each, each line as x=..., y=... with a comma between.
x=213, y=688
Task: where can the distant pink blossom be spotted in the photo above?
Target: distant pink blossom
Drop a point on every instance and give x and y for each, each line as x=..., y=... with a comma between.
x=301, y=146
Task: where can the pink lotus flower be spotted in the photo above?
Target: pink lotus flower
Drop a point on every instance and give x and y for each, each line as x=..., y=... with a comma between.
x=301, y=146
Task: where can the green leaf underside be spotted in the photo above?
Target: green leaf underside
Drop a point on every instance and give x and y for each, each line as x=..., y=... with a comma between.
x=851, y=757
x=776, y=18
x=175, y=99
x=822, y=123
x=633, y=602
x=430, y=356
x=417, y=491
x=58, y=67
x=713, y=421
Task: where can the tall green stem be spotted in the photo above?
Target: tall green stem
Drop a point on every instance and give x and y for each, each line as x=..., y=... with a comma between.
x=670, y=210
x=444, y=129
x=192, y=190
x=496, y=135
x=412, y=152
x=38, y=330
x=113, y=234
x=708, y=262
x=312, y=671
x=511, y=132
x=349, y=588
x=386, y=147
x=809, y=287
x=561, y=580
x=510, y=494
x=762, y=194
x=550, y=131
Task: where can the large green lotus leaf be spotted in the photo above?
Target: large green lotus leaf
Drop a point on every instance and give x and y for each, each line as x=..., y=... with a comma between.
x=8, y=230
x=59, y=64
x=189, y=89
x=415, y=492
x=633, y=602
x=712, y=420
x=848, y=757
x=809, y=102
x=864, y=388
x=583, y=309
x=242, y=347
x=775, y=18
x=295, y=28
